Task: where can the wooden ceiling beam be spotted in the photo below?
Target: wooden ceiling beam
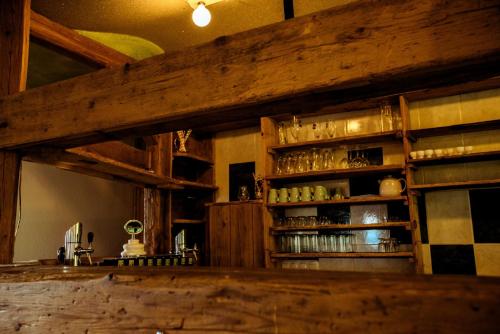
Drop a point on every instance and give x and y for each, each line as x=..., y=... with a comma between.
x=366, y=48
x=68, y=40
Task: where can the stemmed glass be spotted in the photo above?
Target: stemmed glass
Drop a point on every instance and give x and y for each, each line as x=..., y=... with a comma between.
x=316, y=130
x=386, y=121
x=295, y=128
x=331, y=129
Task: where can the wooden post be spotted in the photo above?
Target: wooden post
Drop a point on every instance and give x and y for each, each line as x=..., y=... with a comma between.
x=14, y=41
x=157, y=216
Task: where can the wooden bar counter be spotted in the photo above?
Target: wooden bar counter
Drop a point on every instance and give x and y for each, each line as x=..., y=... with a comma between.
x=46, y=299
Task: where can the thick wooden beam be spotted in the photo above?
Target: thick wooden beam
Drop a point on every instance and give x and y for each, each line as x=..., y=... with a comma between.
x=14, y=44
x=68, y=40
x=356, y=50
x=208, y=300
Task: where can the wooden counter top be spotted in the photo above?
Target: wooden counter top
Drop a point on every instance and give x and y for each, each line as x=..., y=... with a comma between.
x=43, y=299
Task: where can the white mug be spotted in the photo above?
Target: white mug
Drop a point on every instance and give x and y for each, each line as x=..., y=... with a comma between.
x=438, y=152
x=420, y=154
x=413, y=154
x=460, y=150
x=429, y=153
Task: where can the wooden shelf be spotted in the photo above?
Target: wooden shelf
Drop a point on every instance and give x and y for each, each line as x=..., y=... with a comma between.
x=387, y=225
x=188, y=221
x=339, y=255
x=177, y=184
x=361, y=139
x=472, y=157
x=454, y=129
x=338, y=173
x=455, y=185
x=352, y=200
x=192, y=157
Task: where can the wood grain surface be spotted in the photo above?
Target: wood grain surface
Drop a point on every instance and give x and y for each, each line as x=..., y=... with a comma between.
x=14, y=50
x=199, y=300
x=355, y=51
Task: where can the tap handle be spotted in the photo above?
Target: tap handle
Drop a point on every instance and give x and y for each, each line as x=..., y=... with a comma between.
x=61, y=255
x=90, y=237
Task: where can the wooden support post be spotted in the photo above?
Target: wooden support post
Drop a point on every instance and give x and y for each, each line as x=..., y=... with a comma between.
x=14, y=41
x=157, y=217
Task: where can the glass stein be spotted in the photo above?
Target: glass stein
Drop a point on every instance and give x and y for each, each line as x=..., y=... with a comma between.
x=317, y=161
x=280, y=165
x=301, y=163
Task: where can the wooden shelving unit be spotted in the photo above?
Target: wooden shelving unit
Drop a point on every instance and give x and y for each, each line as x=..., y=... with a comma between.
x=352, y=201
x=472, y=157
x=455, y=185
x=342, y=255
x=454, y=129
x=270, y=151
x=185, y=184
x=191, y=188
x=337, y=173
x=361, y=139
x=193, y=157
x=406, y=225
x=188, y=221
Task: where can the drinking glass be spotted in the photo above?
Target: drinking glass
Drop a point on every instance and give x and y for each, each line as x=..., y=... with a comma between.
x=344, y=162
x=295, y=128
x=316, y=159
x=328, y=159
x=331, y=129
x=301, y=163
x=282, y=133
x=386, y=121
x=316, y=128
x=280, y=165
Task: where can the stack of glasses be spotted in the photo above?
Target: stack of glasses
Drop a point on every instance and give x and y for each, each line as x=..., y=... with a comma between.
x=312, y=242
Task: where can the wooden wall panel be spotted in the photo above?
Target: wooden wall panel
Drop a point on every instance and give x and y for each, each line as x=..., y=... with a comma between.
x=236, y=234
x=220, y=235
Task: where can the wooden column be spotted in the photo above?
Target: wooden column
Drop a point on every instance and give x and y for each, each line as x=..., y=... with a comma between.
x=157, y=219
x=14, y=42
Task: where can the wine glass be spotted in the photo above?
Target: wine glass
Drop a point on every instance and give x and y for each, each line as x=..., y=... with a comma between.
x=316, y=130
x=295, y=128
x=331, y=129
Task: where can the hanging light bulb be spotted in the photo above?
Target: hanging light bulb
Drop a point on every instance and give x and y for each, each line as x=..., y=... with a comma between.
x=201, y=16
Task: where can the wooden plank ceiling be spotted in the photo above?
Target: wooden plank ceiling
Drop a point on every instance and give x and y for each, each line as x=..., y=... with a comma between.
x=362, y=49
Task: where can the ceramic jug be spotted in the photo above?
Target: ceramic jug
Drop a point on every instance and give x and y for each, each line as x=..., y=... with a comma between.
x=320, y=193
x=391, y=186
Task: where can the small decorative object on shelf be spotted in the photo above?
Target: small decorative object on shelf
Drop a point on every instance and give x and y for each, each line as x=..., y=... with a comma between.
x=282, y=134
x=259, y=186
x=183, y=136
x=243, y=194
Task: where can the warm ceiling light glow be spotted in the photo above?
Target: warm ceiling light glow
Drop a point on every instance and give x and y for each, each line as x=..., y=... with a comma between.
x=201, y=15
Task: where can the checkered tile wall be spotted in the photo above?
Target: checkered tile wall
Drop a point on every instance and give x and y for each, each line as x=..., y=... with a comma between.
x=460, y=232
